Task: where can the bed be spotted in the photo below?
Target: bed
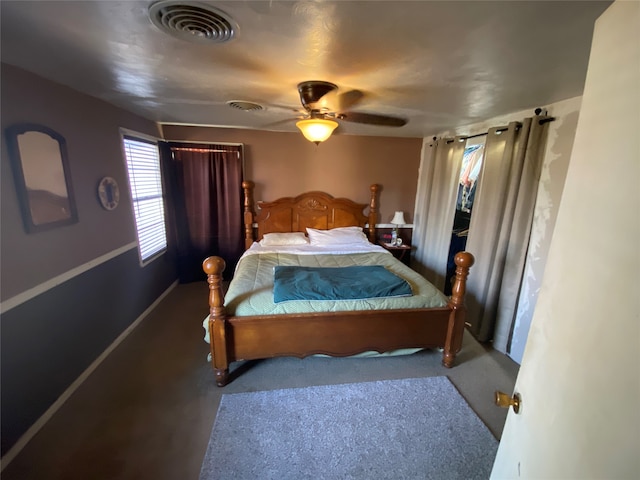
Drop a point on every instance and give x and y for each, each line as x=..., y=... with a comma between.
x=250, y=325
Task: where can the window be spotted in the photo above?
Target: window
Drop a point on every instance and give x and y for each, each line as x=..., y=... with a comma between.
x=145, y=183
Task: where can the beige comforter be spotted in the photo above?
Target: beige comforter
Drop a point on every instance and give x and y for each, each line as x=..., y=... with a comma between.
x=251, y=290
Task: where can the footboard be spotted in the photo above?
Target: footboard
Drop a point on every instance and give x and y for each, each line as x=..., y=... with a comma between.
x=335, y=333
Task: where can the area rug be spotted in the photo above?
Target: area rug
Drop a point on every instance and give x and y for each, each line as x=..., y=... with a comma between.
x=419, y=428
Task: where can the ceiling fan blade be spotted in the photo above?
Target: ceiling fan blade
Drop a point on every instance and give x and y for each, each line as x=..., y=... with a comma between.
x=287, y=108
x=280, y=123
x=334, y=101
x=372, y=119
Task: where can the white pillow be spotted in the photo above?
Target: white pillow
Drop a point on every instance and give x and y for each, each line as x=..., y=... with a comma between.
x=286, y=238
x=337, y=236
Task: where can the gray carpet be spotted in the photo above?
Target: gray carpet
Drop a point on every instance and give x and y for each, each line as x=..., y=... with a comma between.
x=396, y=429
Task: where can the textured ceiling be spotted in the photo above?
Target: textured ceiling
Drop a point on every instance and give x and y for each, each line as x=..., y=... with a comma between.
x=437, y=64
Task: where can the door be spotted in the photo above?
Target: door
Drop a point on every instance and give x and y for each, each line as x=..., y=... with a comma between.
x=580, y=375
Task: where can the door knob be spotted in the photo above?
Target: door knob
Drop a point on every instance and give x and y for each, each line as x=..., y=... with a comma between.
x=505, y=401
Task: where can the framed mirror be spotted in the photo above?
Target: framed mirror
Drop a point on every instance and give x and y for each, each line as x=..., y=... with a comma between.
x=40, y=166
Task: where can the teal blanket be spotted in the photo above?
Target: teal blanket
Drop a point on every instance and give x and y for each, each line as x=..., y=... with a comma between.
x=339, y=283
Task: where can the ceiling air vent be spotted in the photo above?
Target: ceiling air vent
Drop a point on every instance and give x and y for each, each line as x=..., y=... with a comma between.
x=242, y=105
x=192, y=21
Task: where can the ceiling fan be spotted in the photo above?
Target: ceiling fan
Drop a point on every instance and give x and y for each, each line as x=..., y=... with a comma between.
x=324, y=103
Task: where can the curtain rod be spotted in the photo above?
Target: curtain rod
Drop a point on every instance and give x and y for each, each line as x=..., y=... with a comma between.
x=202, y=142
x=465, y=137
x=542, y=121
x=202, y=150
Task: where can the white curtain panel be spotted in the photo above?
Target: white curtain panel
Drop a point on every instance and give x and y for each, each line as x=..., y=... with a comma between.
x=435, y=206
x=500, y=227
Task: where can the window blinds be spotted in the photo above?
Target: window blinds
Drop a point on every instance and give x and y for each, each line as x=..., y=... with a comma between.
x=143, y=167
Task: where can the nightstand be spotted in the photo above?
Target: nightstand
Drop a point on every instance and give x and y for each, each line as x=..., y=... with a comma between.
x=401, y=252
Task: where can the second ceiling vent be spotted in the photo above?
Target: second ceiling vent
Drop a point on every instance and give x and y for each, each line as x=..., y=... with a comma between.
x=244, y=105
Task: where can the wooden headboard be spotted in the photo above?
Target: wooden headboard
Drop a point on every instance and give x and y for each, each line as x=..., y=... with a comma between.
x=312, y=209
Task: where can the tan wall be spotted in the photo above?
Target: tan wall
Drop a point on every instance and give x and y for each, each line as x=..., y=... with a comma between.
x=286, y=164
x=91, y=130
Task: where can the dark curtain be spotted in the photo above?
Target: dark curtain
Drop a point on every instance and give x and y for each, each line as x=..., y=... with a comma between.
x=204, y=205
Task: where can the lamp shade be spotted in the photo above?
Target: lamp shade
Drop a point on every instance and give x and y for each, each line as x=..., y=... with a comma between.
x=398, y=219
x=316, y=130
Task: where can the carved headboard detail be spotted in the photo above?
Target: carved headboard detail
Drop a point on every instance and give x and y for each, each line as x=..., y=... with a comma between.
x=312, y=209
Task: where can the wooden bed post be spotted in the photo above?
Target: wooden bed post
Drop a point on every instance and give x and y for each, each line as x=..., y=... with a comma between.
x=455, y=329
x=249, y=214
x=373, y=212
x=213, y=267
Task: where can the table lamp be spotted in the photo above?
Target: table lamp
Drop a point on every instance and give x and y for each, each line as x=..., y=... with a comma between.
x=398, y=219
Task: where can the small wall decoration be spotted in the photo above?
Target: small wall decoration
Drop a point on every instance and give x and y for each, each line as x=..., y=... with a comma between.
x=108, y=193
x=43, y=183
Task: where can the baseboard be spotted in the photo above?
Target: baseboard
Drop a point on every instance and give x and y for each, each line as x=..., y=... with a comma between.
x=46, y=416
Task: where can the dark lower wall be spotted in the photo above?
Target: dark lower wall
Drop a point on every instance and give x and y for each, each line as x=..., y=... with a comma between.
x=49, y=341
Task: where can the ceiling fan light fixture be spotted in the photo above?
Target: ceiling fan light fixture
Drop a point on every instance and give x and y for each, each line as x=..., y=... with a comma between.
x=316, y=130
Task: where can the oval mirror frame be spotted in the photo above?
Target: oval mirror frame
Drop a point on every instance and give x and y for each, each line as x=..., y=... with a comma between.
x=41, y=170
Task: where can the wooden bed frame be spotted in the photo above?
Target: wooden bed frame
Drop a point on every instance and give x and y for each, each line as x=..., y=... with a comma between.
x=336, y=333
